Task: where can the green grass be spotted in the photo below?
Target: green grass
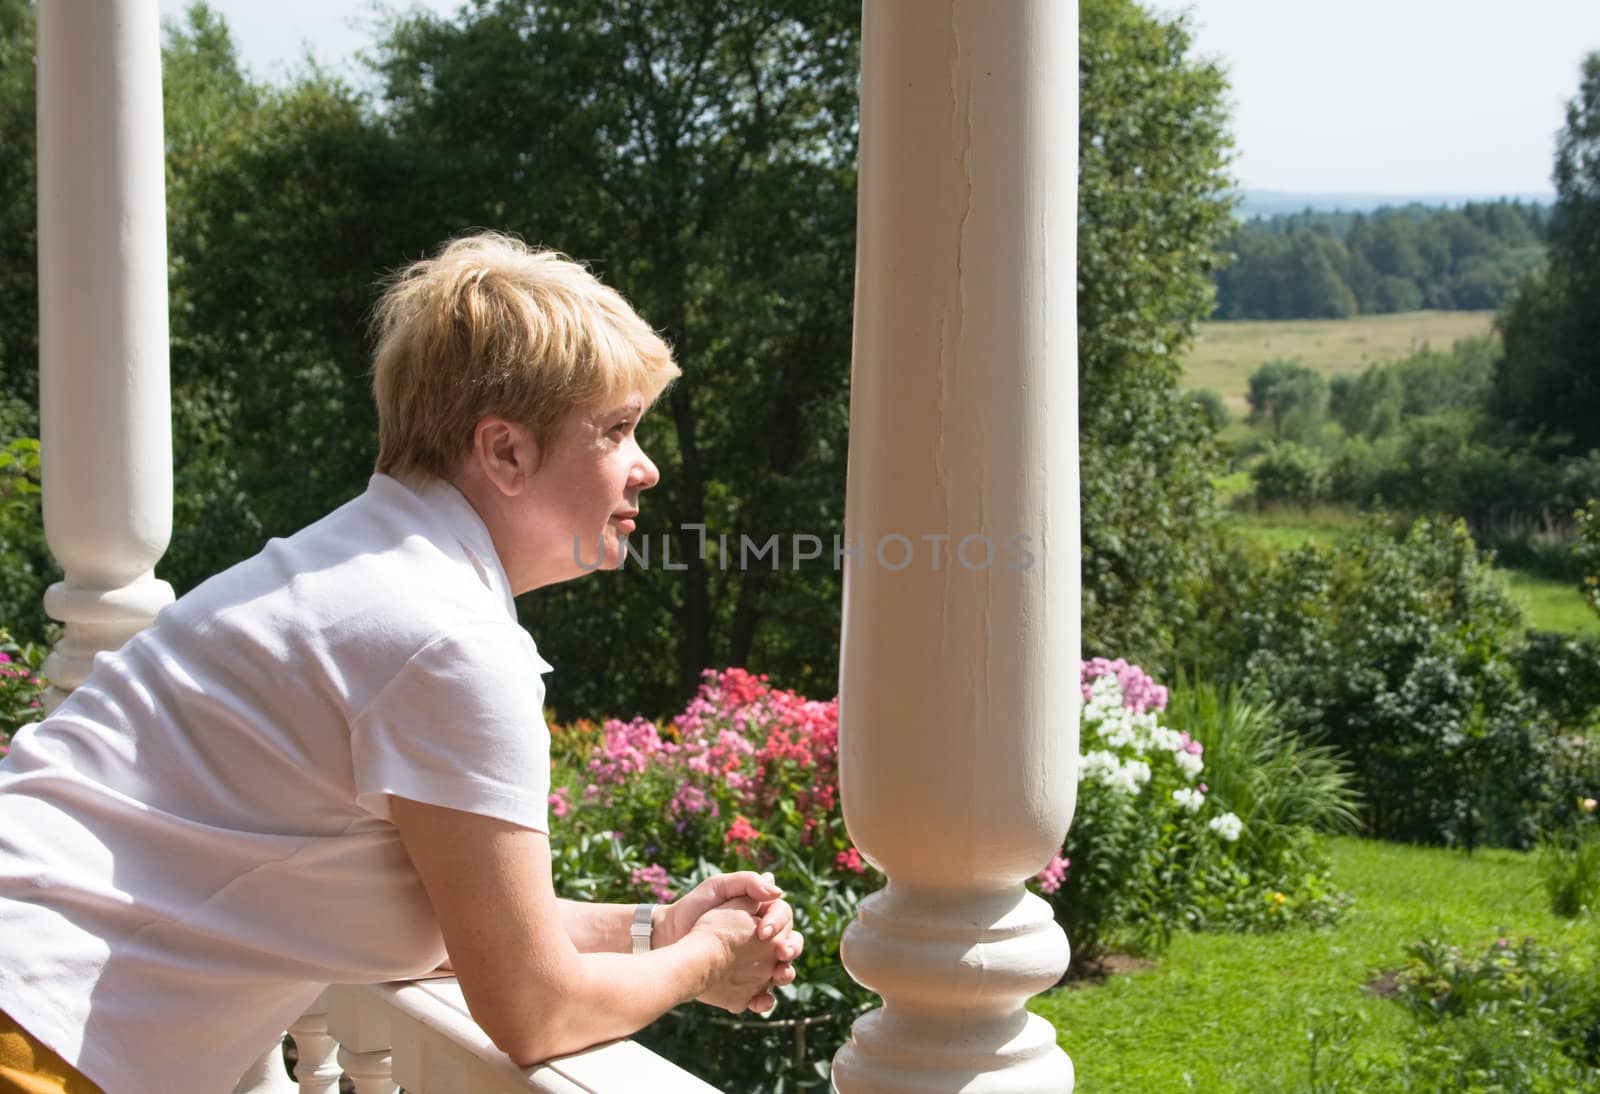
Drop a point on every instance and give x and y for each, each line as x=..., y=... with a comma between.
x=1287, y=528
x=1227, y=352
x=1552, y=605
x=1222, y=1013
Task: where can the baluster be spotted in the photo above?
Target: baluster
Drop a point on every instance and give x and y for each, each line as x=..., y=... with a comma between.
x=371, y=1072
x=317, y=1072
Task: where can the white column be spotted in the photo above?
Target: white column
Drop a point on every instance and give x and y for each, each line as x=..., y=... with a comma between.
x=959, y=688
x=104, y=407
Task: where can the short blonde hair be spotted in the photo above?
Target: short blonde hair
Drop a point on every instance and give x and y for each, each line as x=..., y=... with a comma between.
x=492, y=326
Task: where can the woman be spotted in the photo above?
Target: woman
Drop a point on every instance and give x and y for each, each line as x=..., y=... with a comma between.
x=328, y=764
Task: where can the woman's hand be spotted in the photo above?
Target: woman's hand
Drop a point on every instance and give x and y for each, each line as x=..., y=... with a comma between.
x=749, y=962
x=774, y=922
x=677, y=918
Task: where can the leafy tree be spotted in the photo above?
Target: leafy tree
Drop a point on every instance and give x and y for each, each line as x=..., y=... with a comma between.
x=19, y=293
x=1154, y=203
x=702, y=158
x=1547, y=386
x=1290, y=397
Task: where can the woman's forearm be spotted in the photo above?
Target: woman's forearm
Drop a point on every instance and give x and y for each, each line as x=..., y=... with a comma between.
x=601, y=928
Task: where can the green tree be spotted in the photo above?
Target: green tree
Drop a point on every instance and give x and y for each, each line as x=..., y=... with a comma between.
x=1547, y=385
x=19, y=293
x=1288, y=396
x=702, y=158
x=1154, y=203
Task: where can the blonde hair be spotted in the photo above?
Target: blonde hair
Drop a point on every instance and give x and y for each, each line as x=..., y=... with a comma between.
x=492, y=326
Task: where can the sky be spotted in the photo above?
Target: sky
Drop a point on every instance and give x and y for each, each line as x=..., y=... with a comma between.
x=1396, y=97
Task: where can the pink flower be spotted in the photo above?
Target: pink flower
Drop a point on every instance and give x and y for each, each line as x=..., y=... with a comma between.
x=741, y=833
x=559, y=805
x=850, y=859
x=1051, y=877
x=654, y=879
x=690, y=799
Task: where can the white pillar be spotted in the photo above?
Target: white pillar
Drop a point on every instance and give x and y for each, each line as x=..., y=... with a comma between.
x=959, y=684
x=104, y=407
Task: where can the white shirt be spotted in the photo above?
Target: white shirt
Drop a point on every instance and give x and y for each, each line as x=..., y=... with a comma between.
x=198, y=839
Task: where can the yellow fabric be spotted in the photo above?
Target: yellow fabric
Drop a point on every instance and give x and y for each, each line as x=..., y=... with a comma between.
x=28, y=1067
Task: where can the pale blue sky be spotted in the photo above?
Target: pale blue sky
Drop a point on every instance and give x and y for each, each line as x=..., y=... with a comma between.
x=1390, y=96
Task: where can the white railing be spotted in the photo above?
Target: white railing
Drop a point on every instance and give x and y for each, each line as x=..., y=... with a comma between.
x=419, y=1037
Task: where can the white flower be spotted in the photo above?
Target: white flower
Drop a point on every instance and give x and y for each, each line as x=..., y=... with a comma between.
x=1190, y=799
x=1190, y=765
x=1226, y=827
x=1098, y=764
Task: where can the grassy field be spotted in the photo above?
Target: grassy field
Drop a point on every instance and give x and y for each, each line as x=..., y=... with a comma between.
x=1222, y=1013
x=1226, y=353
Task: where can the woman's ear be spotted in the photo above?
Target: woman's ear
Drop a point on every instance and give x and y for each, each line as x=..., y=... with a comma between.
x=506, y=454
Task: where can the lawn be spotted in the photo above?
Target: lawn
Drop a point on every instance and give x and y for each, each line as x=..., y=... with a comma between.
x=1226, y=353
x=1224, y=1012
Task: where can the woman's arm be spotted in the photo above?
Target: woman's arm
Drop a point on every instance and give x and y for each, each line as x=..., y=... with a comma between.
x=524, y=980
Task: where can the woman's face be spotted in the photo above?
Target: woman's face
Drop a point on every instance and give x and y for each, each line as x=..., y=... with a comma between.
x=583, y=497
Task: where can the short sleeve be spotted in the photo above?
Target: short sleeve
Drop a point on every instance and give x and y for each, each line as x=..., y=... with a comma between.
x=461, y=725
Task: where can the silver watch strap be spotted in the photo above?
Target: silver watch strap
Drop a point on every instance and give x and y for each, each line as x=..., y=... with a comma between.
x=642, y=927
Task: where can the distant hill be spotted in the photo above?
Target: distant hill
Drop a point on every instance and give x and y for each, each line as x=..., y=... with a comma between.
x=1270, y=203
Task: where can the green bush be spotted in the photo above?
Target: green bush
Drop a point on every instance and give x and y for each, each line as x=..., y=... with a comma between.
x=1562, y=673
x=1508, y=1017
x=1398, y=653
x=21, y=688
x=1154, y=848
x=1569, y=867
x=1287, y=473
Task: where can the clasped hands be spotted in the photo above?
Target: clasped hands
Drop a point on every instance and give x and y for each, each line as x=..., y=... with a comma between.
x=746, y=914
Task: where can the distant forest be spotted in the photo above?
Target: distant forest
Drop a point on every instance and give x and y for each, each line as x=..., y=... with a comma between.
x=1315, y=265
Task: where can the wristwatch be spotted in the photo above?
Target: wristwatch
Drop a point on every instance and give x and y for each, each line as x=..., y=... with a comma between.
x=642, y=927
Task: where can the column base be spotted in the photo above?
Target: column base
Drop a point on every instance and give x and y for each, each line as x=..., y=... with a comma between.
x=97, y=621
x=955, y=971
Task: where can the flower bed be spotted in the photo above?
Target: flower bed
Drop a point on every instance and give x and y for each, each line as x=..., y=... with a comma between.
x=747, y=777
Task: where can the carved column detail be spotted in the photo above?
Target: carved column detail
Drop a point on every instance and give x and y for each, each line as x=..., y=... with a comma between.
x=959, y=683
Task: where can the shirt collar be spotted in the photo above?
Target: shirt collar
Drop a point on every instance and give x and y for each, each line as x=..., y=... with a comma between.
x=455, y=516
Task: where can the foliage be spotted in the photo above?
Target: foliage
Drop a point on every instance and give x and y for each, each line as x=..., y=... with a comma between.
x=1562, y=673
x=1569, y=866
x=1153, y=200
x=1154, y=850
x=1289, y=397
x=747, y=775
x=1287, y=473
x=21, y=689
x=1397, y=652
x=1588, y=551
x=1482, y=1014
x=19, y=294
x=1331, y=265
x=26, y=566
x=1544, y=385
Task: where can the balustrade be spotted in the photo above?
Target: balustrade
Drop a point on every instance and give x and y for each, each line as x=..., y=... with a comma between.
x=418, y=1036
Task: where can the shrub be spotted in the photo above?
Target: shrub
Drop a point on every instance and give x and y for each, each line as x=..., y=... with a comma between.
x=1569, y=863
x=21, y=688
x=1398, y=653
x=747, y=775
x=1562, y=673
x=1282, y=787
x=1287, y=474
x=1211, y=408
x=1506, y=1017
x=1152, y=848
